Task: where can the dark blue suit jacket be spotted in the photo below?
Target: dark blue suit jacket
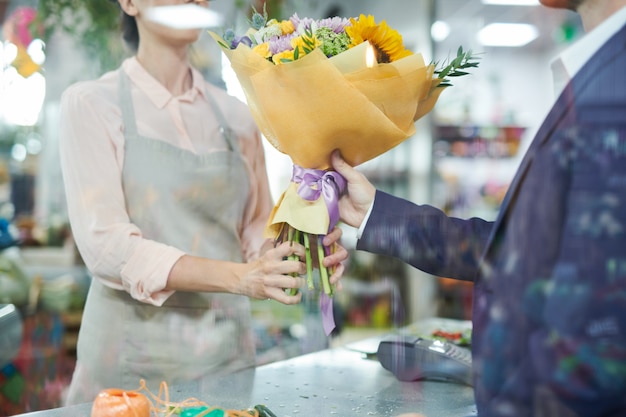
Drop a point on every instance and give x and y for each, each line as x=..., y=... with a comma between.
x=549, y=315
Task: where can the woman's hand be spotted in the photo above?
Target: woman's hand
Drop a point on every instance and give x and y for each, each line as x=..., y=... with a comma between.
x=336, y=257
x=355, y=203
x=268, y=276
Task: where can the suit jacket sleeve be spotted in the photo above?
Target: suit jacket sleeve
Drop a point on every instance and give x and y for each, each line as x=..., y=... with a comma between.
x=423, y=236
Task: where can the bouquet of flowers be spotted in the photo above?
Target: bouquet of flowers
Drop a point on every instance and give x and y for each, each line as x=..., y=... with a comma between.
x=314, y=86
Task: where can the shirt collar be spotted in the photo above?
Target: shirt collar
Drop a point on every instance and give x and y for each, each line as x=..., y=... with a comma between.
x=571, y=60
x=153, y=89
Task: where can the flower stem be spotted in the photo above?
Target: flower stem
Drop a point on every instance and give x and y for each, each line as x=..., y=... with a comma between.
x=323, y=271
x=290, y=231
x=329, y=251
x=309, y=262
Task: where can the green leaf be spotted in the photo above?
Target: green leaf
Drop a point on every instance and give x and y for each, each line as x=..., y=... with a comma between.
x=462, y=61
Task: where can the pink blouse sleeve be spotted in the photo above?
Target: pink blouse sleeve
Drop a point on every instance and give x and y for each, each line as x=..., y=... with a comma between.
x=92, y=154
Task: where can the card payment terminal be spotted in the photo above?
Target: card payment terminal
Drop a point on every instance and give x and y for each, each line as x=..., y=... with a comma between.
x=412, y=358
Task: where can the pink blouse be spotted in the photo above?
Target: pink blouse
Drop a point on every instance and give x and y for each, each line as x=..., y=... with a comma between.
x=92, y=157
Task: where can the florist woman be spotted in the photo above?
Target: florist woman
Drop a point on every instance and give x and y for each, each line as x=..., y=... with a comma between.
x=168, y=198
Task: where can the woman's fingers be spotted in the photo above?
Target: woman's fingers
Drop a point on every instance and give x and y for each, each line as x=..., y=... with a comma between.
x=336, y=257
x=279, y=294
x=333, y=236
x=279, y=271
x=288, y=248
x=335, y=278
x=282, y=268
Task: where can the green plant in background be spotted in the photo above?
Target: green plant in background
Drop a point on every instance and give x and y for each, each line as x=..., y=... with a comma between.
x=274, y=8
x=94, y=24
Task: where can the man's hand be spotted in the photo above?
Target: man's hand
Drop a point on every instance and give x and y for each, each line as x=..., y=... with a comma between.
x=355, y=203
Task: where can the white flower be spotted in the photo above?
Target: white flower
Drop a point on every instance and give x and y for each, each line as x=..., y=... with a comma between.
x=266, y=33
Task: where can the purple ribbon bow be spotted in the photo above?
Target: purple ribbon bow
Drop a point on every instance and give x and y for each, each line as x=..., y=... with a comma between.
x=313, y=182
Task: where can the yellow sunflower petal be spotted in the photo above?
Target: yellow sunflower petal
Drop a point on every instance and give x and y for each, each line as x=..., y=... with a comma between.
x=387, y=41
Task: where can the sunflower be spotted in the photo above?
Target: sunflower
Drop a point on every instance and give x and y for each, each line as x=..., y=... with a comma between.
x=386, y=41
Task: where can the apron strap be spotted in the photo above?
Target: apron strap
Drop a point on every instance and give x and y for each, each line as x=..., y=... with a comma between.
x=130, y=126
x=225, y=130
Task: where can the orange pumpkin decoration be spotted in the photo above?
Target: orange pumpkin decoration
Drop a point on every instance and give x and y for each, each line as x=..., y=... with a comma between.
x=115, y=402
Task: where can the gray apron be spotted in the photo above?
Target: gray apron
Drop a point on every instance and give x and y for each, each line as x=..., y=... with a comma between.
x=192, y=202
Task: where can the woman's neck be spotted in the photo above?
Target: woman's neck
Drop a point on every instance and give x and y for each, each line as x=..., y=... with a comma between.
x=171, y=68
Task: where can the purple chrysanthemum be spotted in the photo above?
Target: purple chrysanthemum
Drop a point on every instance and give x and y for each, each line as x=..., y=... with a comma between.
x=295, y=20
x=302, y=24
x=278, y=44
x=336, y=24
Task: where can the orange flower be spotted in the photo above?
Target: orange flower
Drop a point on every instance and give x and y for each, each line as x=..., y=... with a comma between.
x=115, y=402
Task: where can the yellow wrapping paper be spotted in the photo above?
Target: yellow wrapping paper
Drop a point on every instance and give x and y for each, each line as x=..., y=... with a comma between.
x=309, y=216
x=311, y=106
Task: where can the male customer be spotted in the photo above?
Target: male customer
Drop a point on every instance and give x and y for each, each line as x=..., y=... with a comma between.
x=549, y=315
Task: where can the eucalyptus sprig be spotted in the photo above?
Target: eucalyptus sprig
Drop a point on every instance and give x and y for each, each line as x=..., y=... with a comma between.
x=463, y=60
x=258, y=20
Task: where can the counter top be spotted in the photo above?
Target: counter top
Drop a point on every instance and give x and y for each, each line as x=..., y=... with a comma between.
x=337, y=381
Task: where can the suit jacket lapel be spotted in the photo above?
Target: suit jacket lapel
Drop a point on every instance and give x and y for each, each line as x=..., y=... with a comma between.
x=566, y=100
